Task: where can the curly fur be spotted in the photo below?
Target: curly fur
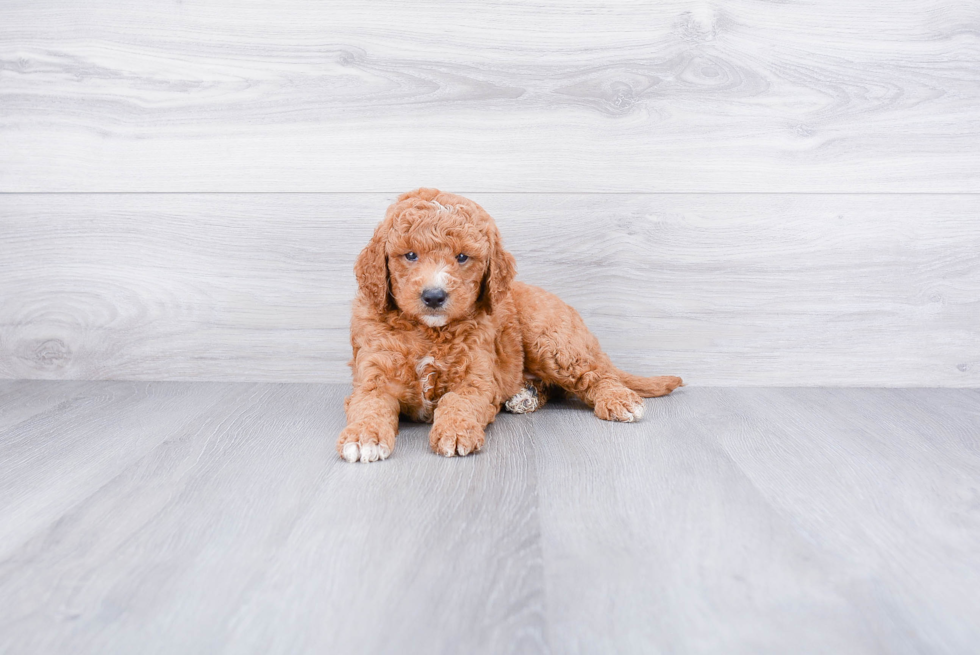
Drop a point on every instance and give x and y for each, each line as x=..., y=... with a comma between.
x=493, y=341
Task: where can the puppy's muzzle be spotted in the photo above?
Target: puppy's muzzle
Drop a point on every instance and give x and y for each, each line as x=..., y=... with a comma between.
x=434, y=298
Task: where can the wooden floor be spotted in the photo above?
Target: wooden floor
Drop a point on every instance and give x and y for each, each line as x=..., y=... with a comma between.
x=216, y=517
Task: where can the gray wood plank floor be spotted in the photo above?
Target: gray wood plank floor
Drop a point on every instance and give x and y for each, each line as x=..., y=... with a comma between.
x=215, y=517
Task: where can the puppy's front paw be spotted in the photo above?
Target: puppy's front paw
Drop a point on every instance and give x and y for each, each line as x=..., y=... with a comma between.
x=365, y=442
x=619, y=404
x=451, y=437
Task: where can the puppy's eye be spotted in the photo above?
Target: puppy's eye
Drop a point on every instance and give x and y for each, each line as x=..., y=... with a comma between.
x=461, y=258
x=411, y=256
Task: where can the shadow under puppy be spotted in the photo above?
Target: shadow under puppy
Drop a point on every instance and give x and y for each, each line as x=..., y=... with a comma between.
x=442, y=333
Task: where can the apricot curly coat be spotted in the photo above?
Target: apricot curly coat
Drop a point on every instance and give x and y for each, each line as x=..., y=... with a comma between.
x=477, y=341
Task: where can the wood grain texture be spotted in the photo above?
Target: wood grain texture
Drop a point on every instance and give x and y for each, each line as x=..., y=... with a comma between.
x=21, y=400
x=745, y=289
x=886, y=483
x=217, y=518
x=62, y=455
x=764, y=521
x=240, y=530
x=680, y=95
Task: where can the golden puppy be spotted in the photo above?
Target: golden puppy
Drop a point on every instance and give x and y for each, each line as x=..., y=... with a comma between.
x=441, y=332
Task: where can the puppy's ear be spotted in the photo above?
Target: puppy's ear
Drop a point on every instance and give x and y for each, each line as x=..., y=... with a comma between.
x=371, y=269
x=501, y=270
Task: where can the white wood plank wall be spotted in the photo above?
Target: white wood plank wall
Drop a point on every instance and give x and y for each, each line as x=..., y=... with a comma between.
x=725, y=289
x=740, y=192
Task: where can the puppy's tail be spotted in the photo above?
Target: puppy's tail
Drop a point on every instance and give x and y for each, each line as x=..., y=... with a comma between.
x=650, y=387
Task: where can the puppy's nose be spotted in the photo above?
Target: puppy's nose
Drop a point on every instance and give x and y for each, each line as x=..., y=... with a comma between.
x=434, y=297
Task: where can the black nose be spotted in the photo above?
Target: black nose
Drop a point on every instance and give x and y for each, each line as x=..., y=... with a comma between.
x=434, y=297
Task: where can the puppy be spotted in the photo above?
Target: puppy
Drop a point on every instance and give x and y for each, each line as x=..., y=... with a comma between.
x=442, y=333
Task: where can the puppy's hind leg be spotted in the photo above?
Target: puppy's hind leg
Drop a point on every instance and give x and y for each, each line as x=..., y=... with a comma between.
x=560, y=350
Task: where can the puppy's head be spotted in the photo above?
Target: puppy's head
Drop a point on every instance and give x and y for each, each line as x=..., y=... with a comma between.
x=437, y=258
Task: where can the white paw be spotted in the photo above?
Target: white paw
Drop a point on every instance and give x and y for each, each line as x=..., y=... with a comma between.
x=635, y=413
x=370, y=452
x=366, y=453
x=522, y=402
x=463, y=449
